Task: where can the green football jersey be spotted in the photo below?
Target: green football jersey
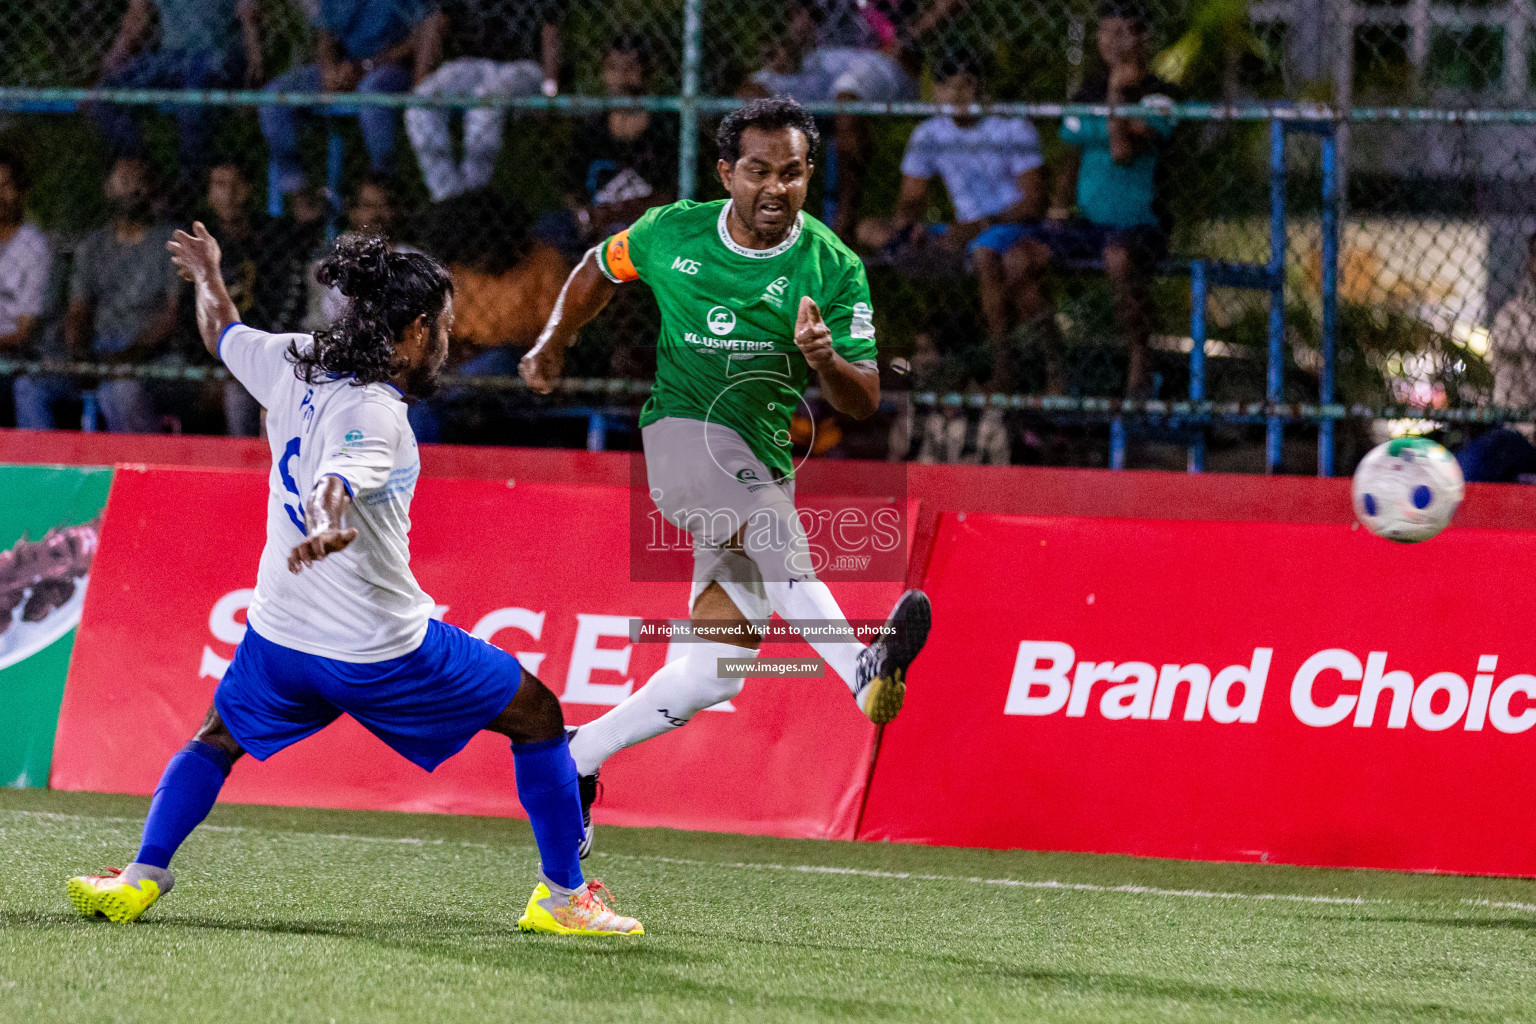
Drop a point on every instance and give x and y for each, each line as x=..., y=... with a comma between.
x=727, y=351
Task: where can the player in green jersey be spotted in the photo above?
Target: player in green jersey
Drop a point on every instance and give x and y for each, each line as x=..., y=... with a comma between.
x=755, y=298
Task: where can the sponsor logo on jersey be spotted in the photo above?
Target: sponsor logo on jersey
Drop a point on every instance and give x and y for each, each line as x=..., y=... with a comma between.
x=774, y=293
x=748, y=476
x=863, y=325
x=727, y=344
x=721, y=321
x=685, y=266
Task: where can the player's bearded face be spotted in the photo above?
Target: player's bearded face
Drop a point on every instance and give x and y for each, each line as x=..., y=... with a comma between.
x=421, y=376
x=768, y=182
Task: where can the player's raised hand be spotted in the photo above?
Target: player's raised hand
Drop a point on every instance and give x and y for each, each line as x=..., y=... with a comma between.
x=315, y=547
x=196, y=255
x=812, y=335
x=541, y=367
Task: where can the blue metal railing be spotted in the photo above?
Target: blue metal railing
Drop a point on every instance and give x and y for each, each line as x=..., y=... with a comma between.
x=38, y=99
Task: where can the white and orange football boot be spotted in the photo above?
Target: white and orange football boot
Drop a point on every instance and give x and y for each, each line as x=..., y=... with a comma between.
x=582, y=913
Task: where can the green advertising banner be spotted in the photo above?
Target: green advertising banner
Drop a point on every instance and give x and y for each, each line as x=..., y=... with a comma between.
x=49, y=524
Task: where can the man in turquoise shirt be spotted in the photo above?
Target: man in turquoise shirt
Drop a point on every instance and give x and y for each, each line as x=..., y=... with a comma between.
x=1112, y=174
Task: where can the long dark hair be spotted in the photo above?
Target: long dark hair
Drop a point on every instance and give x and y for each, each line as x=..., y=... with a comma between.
x=387, y=291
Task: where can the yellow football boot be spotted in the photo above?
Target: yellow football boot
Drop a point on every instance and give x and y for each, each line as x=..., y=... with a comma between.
x=110, y=897
x=881, y=686
x=584, y=914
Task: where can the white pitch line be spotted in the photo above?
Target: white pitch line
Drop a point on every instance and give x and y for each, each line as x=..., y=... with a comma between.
x=1501, y=906
x=1136, y=890
x=406, y=840
x=810, y=869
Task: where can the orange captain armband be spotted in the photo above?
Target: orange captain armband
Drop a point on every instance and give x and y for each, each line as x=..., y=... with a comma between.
x=616, y=261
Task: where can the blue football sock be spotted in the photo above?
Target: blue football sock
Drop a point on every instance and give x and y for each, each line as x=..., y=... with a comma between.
x=546, y=785
x=186, y=793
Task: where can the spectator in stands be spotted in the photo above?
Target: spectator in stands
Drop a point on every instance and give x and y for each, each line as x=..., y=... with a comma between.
x=623, y=162
x=253, y=248
x=200, y=48
x=365, y=46
x=850, y=50
x=123, y=300
x=993, y=170
x=1505, y=454
x=258, y=267
x=953, y=437
x=505, y=283
x=1113, y=175
x=493, y=48
x=301, y=233
x=373, y=212
x=25, y=258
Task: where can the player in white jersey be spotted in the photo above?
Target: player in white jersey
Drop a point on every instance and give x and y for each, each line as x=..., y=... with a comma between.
x=338, y=623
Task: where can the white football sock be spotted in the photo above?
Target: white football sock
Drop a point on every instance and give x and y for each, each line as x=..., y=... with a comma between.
x=676, y=693
x=811, y=602
x=559, y=895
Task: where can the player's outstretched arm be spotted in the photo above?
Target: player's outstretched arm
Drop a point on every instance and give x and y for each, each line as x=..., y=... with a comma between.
x=323, y=513
x=583, y=296
x=852, y=390
x=197, y=260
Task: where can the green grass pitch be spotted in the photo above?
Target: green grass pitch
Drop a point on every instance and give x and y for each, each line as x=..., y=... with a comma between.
x=304, y=916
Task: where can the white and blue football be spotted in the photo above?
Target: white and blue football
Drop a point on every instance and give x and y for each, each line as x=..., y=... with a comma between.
x=1407, y=489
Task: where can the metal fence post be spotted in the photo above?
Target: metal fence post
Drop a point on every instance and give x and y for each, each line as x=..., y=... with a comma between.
x=1198, y=298
x=1275, y=385
x=335, y=161
x=1325, y=436
x=688, y=108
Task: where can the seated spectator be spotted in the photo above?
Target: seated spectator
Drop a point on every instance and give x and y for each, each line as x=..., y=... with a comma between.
x=1113, y=174
x=945, y=433
x=623, y=162
x=123, y=301
x=850, y=50
x=961, y=437
x=505, y=284
x=260, y=261
x=366, y=46
x=993, y=170
x=373, y=212
x=199, y=49
x=1505, y=454
x=493, y=48
x=25, y=258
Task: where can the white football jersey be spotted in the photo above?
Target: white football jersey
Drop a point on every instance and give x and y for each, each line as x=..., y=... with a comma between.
x=361, y=604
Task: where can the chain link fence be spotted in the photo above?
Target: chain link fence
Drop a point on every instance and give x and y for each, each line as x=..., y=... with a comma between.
x=505, y=137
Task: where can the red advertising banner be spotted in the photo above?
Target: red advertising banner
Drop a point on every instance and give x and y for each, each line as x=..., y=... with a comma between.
x=1291, y=692
x=540, y=569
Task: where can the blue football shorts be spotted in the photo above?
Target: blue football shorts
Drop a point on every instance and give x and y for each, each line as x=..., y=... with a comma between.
x=425, y=705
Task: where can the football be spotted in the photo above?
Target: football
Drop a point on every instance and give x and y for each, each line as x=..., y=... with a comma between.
x=1407, y=489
